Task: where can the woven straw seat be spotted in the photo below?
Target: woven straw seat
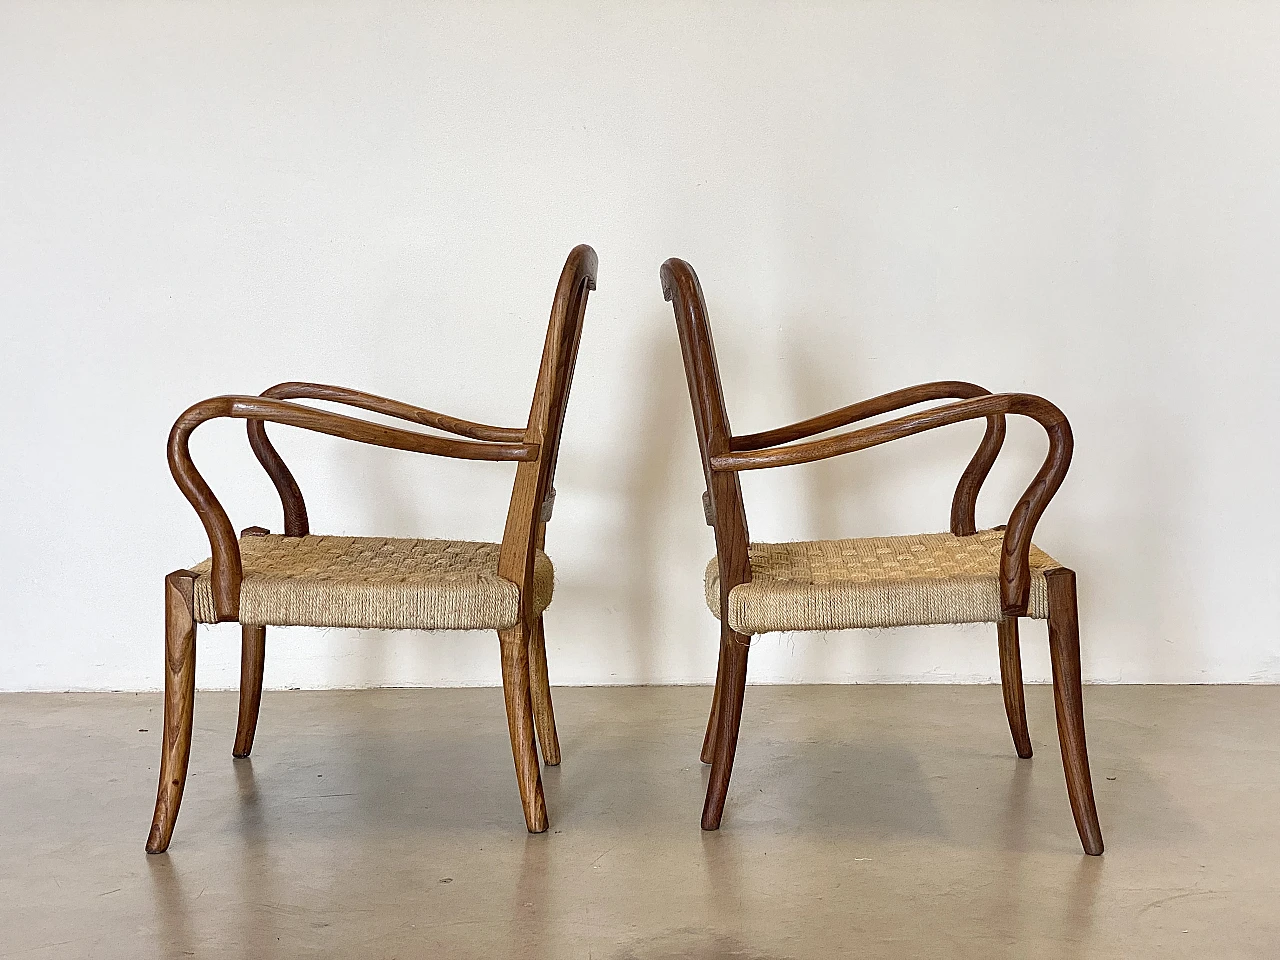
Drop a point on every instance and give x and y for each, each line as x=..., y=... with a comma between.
x=374, y=582
x=874, y=582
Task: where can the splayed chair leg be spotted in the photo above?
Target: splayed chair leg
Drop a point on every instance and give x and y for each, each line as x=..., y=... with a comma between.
x=514, y=642
x=544, y=716
x=253, y=652
x=1064, y=651
x=179, y=700
x=734, y=648
x=1015, y=706
x=709, y=738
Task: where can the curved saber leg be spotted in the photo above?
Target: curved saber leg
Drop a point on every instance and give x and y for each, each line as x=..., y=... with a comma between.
x=1015, y=706
x=179, y=700
x=1064, y=650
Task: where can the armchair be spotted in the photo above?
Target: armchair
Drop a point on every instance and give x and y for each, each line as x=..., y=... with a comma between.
x=299, y=579
x=962, y=576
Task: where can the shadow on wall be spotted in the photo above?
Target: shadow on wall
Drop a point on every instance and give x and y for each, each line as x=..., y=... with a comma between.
x=900, y=488
x=664, y=470
x=1158, y=604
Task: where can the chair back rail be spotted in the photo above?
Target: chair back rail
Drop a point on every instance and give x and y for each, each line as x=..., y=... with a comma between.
x=726, y=512
x=525, y=529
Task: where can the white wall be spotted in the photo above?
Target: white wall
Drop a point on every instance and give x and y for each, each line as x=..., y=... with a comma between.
x=1080, y=200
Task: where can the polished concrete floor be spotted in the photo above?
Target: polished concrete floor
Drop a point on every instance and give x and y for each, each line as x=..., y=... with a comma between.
x=869, y=821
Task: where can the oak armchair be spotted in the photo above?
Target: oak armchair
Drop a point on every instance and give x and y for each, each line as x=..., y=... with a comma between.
x=963, y=576
x=300, y=579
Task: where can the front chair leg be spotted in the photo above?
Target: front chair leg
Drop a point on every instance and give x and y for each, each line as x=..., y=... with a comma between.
x=1064, y=651
x=544, y=716
x=732, y=687
x=1015, y=706
x=179, y=700
x=253, y=652
x=514, y=642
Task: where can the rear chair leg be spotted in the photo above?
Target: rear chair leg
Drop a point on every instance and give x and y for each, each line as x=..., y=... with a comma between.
x=732, y=686
x=544, y=716
x=1015, y=706
x=713, y=721
x=253, y=652
x=1064, y=651
x=179, y=700
x=515, y=689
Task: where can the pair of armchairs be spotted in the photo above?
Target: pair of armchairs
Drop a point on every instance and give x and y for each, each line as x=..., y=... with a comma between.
x=297, y=578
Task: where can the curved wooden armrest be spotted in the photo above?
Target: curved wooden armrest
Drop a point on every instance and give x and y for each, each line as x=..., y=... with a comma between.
x=296, y=523
x=1015, y=571
x=227, y=570
x=863, y=410
x=964, y=502
x=293, y=390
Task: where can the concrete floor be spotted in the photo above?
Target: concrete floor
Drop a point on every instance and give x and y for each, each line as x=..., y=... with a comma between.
x=871, y=821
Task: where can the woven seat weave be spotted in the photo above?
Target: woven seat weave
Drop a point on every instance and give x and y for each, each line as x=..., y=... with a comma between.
x=374, y=582
x=874, y=582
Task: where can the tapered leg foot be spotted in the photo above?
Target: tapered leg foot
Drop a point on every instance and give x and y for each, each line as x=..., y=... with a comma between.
x=544, y=716
x=709, y=738
x=253, y=652
x=1015, y=706
x=179, y=700
x=1064, y=650
x=732, y=686
x=514, y=642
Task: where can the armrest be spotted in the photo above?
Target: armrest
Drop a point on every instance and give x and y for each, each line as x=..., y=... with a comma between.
x=227, y=570
x=296, y=523
x=964, y=501
x=394, y=408
x=863, y=410
x=1015, y=572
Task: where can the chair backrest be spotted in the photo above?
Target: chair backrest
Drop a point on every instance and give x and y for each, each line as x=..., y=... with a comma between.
x=723, y=500
x=534, y=489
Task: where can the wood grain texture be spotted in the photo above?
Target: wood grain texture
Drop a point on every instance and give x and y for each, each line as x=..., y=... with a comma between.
x=544, y=716
x=708, y=753
x=296, y=521
x=525, y=530
x=514, y=643
x=179, y=704
x=1068, y=698
x=1015, y=706
x=728, y=723
x=253, y=658
x=535, y=476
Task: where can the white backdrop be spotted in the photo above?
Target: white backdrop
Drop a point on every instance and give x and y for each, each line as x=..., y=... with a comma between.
x=1078, y=200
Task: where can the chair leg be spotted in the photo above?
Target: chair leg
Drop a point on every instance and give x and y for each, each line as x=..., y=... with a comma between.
x=515, y=688
x=732, y=686
x=544, y=716
x=709, y=738
x=253, y=652
x=1015, y=706
x=179, y=700
x=1064, y=650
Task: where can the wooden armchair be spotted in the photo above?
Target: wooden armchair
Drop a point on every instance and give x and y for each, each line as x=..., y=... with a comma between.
x=299, y=579
x=964, y=576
